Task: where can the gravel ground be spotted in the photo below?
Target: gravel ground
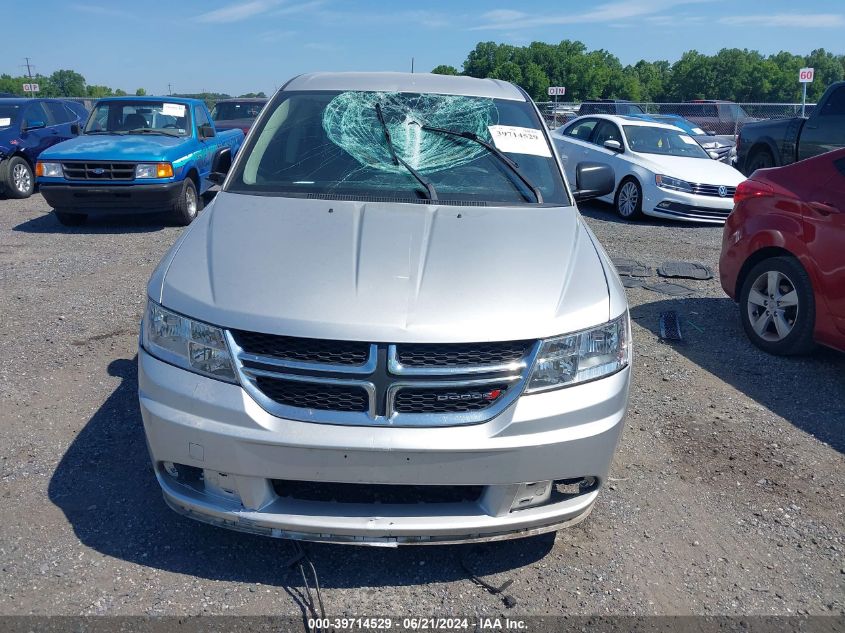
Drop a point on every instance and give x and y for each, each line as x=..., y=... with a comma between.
x=727, y=492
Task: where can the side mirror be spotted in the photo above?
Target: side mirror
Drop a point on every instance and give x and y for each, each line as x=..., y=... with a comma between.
x=206, y=131
x=613, y=145
x=74, y=129
x=593, y=180
x=220, y=166
x=33, y=125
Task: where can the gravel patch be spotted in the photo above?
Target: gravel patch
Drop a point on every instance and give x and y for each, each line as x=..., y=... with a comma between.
x=727, y=492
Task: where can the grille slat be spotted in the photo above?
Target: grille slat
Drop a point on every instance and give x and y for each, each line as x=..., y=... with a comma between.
x=712, y=190
x=447, y=400
x=308, y=395
x=460, y=354
x=393, y=494
x=347, y=353
x=98, y=171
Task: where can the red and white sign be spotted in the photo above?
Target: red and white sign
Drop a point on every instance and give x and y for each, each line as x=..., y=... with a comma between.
x=805, y=75
x=557, y=91
x=31, y=88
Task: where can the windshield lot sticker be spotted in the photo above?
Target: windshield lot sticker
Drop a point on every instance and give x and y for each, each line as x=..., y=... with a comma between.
x=519, y=140
x=351, y=123
x=5, y=122
x=688, y=140
x=173, y=109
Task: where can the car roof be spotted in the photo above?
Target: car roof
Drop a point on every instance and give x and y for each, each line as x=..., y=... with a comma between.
x=407, y=82
x=244, y=100
x=621, y=119
x=153, y=99
x=22, y=100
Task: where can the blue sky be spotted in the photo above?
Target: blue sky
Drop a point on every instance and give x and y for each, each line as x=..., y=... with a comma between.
x=239, y=46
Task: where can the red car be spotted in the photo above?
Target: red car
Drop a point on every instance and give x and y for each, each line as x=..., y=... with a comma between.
x=783, y=255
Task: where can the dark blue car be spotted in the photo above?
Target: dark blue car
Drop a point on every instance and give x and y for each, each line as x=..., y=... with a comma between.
x=27, y=128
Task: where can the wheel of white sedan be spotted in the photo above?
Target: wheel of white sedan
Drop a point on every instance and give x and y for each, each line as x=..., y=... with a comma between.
x=629, y=199
x=777, y=306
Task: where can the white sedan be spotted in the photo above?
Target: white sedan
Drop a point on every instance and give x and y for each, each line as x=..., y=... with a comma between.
x=660, y=170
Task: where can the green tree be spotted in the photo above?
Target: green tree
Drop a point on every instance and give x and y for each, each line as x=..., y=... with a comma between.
x=140, y=92
x=508, y=71
x=67, y=83
x=119, y=93
x=535, y=82
x=96, y=92
x=444, y=69
x=692, y=78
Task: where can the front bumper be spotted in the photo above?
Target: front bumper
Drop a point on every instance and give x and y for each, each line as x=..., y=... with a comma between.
x=94, y=198
x=242, y=450
x=677, y=205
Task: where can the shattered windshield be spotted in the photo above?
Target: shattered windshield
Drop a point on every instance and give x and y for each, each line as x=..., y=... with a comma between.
x=141, y=117
x=333, y=143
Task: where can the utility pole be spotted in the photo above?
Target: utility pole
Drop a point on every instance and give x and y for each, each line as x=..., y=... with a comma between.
x=29, y=67
x=169, y=91
x=412, y=65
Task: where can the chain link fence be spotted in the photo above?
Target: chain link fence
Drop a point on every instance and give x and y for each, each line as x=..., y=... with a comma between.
x=716, y=118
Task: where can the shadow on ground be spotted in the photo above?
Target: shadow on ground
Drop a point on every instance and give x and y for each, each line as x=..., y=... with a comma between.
x=807, y=391
x=105, y=486
x=103, y=224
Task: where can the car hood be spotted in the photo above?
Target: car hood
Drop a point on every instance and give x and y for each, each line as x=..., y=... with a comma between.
x=148, y=147
x=385, y=272
x=699, y=170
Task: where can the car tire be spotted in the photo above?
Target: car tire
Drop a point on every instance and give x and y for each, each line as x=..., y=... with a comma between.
x=760, y=159
x=777, y=307
x=188, y=205
x=20, y=182
x=70, y=219
x=629, y=199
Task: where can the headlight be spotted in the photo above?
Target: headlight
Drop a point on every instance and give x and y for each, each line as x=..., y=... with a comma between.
x=186, y=343
x=154, y=170
x=50, y=170
x=675, y=184
x=582, y=356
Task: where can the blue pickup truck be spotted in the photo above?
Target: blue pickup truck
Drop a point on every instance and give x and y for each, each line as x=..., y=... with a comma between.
x=137, y=155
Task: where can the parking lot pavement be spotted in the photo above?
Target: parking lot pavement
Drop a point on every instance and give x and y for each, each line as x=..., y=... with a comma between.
x=727, y=494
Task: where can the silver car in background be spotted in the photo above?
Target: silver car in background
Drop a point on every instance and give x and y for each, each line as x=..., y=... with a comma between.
x=390, y=326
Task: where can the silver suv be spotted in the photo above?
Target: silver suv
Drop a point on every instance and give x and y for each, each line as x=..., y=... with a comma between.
x=390, y=326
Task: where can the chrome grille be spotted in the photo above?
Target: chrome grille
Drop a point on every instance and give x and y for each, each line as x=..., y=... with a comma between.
x=348, y=382
x=98, y=171
x=712, y=190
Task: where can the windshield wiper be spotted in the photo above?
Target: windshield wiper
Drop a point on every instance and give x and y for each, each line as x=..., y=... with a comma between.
x=472, y=136
x=149, y=130
x=432, y=192
x=105, y=132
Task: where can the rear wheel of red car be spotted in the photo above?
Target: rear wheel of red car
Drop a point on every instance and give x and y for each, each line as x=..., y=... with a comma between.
x=777, y=307
x=20, y=182
x=629, y=199
x=70, y=219
x=760, y=159
x=188, y=205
